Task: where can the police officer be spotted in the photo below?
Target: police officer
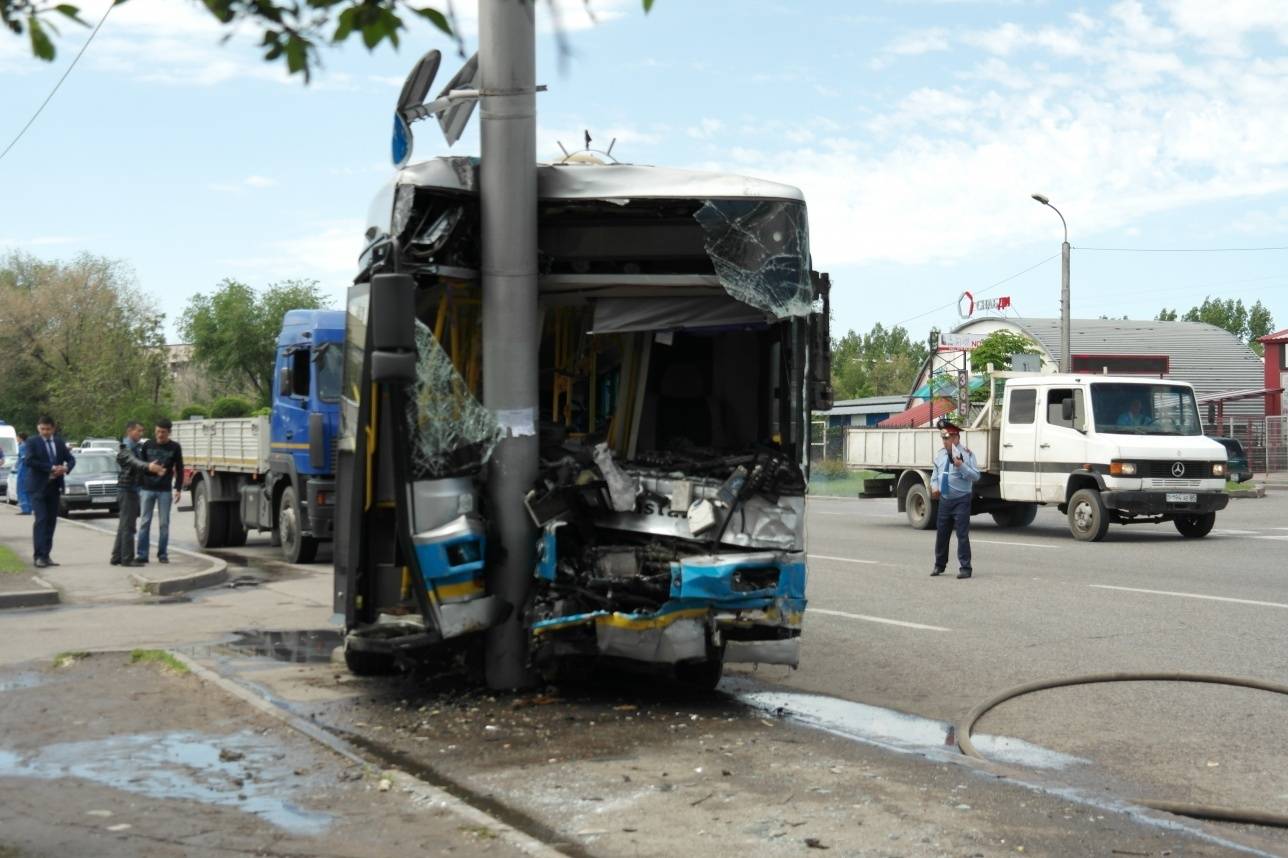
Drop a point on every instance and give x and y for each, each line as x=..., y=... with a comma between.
x=953, y=483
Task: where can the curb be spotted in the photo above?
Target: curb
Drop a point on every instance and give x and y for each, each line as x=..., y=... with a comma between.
x=1258, y=492
x=32, y=598
x=215, y=573
x=420, y=792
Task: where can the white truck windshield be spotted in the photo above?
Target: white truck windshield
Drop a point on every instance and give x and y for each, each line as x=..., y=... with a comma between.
x=1145, y=409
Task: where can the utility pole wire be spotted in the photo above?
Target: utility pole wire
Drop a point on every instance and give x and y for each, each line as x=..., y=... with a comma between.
x=1179, y=249
x=49, y=97
x=980, y=291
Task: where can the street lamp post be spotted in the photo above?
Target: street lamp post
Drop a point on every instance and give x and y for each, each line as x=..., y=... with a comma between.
x=1065, y=362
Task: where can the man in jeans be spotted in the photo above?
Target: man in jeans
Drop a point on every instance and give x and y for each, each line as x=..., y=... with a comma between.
x=952, y=483
x=133, y=470
x=155, y=492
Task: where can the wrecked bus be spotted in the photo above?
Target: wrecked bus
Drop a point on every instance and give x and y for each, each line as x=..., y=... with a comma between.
x=684, y=342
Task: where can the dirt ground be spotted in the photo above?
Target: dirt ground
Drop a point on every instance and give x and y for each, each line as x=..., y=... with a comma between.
x=102, y=757
x=616, y=769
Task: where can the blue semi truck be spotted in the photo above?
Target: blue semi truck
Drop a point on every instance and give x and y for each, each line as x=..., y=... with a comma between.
x=275, y=473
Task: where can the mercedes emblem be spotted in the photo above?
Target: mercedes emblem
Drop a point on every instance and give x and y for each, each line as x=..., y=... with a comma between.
x=1178, y=469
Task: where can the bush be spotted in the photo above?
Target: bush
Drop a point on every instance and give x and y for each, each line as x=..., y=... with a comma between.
x=230, y=406
x=830, y=469
x=266, y=411
x=195, y=409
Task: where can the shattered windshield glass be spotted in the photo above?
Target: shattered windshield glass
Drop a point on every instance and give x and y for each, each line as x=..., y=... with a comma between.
x=453, y=433
x=760, y=250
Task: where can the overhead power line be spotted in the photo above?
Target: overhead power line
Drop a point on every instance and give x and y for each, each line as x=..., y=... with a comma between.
x=1179, y=249
x=49, y=97
x=980, y=291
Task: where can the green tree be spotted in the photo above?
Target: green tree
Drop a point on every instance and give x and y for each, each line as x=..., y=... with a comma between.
x=876, y=363
x=1229, y=314
x=81, y=343
x=234, y=330
x=291, y=31
x=998, y=347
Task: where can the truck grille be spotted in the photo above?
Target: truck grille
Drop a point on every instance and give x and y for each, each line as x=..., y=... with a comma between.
x=1173, y=484
x=1164, y=469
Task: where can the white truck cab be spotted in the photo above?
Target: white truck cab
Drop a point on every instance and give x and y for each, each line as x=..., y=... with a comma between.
x=1110, y=448
x=1103, y=449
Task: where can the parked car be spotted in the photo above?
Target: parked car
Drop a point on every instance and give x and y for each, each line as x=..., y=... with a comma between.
x=10, y=483
x=100, y=444
x=1238, y=470
x=91, y=484
x=8, y=444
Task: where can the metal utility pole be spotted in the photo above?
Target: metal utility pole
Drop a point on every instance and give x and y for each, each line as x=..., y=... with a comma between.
x=508, y=200
x=1066, y=364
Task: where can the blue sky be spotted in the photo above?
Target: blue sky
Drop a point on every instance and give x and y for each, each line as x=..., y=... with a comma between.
x=916, y=129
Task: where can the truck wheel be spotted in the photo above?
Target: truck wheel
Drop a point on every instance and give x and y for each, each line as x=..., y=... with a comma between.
x=1088, y=519
x=921, y=509
x=210, y=519
x=1195, y=526
x=362, y=663
x=701, y=675
x=1016, y=515
x=296, y=547
x=235, y=534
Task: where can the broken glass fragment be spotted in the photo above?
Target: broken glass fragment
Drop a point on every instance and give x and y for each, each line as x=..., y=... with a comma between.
x=452, y=432
x=760, y=250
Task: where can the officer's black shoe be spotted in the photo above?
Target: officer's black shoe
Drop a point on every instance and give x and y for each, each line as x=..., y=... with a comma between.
x=936, y=571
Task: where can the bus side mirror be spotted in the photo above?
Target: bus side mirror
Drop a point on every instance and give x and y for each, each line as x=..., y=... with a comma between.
x=392, y=321
x=820, y=347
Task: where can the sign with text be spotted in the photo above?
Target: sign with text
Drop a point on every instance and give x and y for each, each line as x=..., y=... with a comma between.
x=967, y=306
x=959, y=342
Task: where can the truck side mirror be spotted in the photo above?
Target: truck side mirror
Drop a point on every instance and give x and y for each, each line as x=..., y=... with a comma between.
x=284, y=381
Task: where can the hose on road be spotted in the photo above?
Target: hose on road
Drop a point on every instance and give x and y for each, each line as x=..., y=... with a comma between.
x=1198, y=811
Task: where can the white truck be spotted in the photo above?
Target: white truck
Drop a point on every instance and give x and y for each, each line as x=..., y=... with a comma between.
x=1103, y=449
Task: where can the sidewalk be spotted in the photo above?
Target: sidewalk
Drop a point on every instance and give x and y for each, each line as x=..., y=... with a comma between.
x=84, y=574
x=103, y=609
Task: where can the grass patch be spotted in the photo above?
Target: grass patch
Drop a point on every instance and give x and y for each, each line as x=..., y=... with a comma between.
x=158, y=656
x=482, y=832
x=67, y=659
x=10, y=562
x=849, y=485
x=1246, y=486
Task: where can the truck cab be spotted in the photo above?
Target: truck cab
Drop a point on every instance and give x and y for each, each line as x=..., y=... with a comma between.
x=304, y=425
x=1104, y=449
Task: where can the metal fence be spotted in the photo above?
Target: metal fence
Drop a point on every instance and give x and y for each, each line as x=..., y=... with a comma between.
x=1263, y=438
x=825, y=442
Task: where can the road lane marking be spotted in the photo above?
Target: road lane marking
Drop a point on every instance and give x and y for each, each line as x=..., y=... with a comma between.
x=1227, y=532
x=1270, y=537
x=841, y=559
x=1020, y=544
x=884, y=620
x=1190, y=596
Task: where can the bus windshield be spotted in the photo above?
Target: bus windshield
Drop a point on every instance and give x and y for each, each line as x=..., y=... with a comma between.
x=1145, y=409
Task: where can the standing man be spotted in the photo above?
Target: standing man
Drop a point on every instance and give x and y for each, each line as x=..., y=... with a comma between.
x=24, y=502
x=133, y=470
x=953, y=483
x=47, y=461
x=156, y=489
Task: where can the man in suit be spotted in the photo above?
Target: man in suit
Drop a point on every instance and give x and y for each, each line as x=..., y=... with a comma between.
x=47, y=461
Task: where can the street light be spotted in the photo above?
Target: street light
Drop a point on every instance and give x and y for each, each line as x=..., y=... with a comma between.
x=1065, y=363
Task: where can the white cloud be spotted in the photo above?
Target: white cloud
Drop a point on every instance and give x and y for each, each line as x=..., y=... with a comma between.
x=241, y=185
x=919, y=42
x=1115, y=118
x=1225, y=26
x=328, y=252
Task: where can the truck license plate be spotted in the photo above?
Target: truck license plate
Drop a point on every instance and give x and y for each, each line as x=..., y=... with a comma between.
x=1182, y=497
x=103, y=499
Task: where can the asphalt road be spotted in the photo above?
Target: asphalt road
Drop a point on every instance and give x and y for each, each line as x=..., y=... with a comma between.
x=1043, y=606
x=880, y=631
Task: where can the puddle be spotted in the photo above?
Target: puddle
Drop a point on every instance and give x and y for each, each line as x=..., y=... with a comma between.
x=19, y=681
x=890, y=729
x=299, y=647
x=241, y=771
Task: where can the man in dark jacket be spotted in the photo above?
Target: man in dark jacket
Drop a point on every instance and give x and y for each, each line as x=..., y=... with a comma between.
x=133, y=470
x=46, y=463
x=155, y=493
